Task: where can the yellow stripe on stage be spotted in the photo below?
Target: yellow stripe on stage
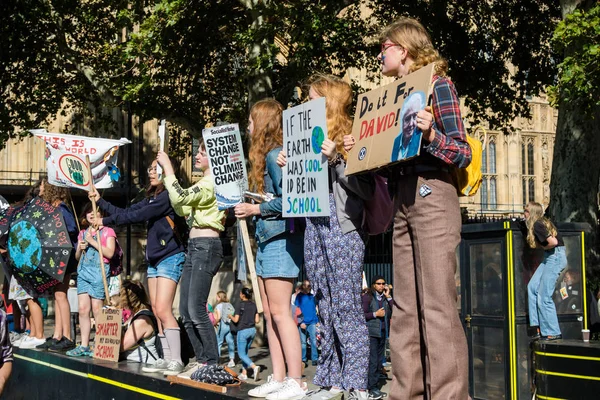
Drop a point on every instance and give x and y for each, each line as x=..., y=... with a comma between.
x=537, y=396
x=584, y=276
x=98, y=378
x=586, y=377
x=511, y=312
x=545, y=354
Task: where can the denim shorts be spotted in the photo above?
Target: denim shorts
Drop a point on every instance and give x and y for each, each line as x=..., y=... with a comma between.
x=93, y=289
x=281, y=256
x=170, y=267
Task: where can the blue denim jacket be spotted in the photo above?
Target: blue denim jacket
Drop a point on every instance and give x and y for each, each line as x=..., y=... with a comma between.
x=270, y=223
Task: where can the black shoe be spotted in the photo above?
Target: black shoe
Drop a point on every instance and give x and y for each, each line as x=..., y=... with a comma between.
x=551, y=337
x=314, y=363
x=63, y=344
x=376, y=394
x=533, y=332
x=49, y=342
x=305, y=364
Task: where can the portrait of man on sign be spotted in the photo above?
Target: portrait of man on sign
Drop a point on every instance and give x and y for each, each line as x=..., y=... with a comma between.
x=408, y=141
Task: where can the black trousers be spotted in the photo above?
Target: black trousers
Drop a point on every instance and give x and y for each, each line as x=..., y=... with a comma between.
x=376, y=353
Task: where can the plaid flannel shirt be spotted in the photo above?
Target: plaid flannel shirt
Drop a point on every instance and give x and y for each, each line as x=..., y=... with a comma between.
x=450, y=142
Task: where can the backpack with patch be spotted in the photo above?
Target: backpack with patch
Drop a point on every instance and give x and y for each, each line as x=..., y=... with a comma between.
x=379, y=211
x=468, y=179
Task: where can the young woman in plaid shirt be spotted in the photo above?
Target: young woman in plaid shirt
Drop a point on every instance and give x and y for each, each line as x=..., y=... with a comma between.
x=429, y=349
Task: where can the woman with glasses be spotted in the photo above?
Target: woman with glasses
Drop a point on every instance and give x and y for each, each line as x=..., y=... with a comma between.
x=165, y=256
x=428, y=344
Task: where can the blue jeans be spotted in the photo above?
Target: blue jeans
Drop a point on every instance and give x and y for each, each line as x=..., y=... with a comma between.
x=542, y=311
x=311, y=329
x=245, y=337
x=224, y=333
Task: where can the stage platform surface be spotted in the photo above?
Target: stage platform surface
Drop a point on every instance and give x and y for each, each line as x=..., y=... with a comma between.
x=567, y=369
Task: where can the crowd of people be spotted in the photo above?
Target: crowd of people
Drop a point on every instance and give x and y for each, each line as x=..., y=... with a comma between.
x=330, y=311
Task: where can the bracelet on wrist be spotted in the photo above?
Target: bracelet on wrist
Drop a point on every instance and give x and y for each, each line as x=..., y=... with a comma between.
x=339, y=157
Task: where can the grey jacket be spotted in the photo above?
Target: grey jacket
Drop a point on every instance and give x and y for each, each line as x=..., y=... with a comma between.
x=350, y=193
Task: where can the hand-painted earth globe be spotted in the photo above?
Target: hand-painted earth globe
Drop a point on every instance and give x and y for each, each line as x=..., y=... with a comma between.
x=317, y=139
x=24, y=246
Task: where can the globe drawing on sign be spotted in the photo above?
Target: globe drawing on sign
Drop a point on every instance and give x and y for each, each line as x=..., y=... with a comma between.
x=24, y=246
x=317, y=139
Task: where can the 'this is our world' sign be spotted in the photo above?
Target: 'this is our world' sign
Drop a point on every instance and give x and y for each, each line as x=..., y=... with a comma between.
x=305, y=176
x=385, y=127
x=226, y=161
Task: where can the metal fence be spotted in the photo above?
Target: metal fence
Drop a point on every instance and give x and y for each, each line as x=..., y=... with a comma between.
x=21, y=178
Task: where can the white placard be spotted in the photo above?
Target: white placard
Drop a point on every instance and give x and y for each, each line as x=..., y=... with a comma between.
x=305, y=176
x=227, y=164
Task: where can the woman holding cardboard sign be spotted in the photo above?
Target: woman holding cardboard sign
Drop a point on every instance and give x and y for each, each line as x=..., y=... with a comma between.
x=427, y=223
x=279, y=255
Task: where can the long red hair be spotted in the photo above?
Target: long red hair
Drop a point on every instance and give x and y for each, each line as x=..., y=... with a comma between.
x=266, y=135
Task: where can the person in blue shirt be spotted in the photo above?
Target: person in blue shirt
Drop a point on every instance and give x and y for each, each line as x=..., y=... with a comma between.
x=165, y=255
x=306, y=301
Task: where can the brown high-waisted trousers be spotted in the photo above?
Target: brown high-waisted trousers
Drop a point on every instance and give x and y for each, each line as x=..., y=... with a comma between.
x=428, y=344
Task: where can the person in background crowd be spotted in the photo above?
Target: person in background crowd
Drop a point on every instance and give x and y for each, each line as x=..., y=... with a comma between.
x=297, y=289
x=204, y=256
x=426, y=328
x=140, y=336
x=334, y=249
x=305, y=300
x=377, y=304
x=6, y=356
x=279, y=255
x=61, y=340
x=165, y=255
x=541, y=232
x=246, y=317
x=222, y=312
x=90, y=282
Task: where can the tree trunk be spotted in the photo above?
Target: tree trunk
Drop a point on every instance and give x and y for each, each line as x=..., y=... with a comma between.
x=576, y=166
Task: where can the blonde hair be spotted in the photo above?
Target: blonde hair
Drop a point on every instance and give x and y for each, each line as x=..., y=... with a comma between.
x=338, y=98
x=536, y=213
x=267, y=135
x=222, y=297
x=411, y=34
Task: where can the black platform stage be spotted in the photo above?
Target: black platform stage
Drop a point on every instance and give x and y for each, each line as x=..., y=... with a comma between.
x=567, y=369
x=44, y=376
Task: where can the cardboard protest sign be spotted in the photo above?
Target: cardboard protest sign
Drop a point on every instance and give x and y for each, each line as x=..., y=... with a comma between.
x=385, y=122
x=65, y=159
x=108, y=334
x=227, y=164
x=306, y=174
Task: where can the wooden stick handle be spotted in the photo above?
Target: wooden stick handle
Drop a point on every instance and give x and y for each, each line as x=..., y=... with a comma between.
x=250, y=263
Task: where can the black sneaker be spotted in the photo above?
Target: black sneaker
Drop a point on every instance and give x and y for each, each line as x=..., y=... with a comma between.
x=551, y=337
x=50, y=341
x=376, y=394
x=533, y=332
x=63, y=344
x=314, y=363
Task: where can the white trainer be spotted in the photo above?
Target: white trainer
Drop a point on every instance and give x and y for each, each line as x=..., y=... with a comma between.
x=266, y=388
x=290, y=390
x=157, y=366
x=231, y=363
x=31, y=342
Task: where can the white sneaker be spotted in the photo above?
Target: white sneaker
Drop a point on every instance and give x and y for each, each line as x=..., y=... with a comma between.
x=174, y=368
x=263, y=390
x=324, y=394
x=31, y=342
x=256, y=371
x=190, y=369
x=18, y=338
x=157, y=366
x=358, y=395
x=290, y=390
x=231, y=363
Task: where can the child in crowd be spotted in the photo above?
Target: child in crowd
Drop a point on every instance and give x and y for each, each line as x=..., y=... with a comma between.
x=541, y=232
x=279, y=255
x=140, y=335
x=246, y=317
x=222, y=312
x=165, y=255
x=334, y=250
x=90, y=282
x=204, y=256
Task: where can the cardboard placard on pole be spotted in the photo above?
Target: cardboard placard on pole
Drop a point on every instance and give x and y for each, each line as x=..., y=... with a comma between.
x=107, y=342
x=101, y=256
x=250, y=260
x=385, y=122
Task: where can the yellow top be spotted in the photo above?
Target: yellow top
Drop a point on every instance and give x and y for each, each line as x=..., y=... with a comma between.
x=197, y=203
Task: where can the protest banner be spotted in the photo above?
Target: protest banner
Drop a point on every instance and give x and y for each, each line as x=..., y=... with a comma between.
x=108, y=334
x=385, y=122
x=306, y=174
x=65, y=159
x=227, y=164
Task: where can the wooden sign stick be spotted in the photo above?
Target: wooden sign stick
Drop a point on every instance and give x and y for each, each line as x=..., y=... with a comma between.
x=250, y=263
x=94, y=209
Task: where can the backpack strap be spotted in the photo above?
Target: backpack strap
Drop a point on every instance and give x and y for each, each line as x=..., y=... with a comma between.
x=175, y=231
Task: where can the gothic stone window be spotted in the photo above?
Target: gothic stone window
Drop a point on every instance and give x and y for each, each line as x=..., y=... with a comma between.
x=490, y=176
x=527, y=169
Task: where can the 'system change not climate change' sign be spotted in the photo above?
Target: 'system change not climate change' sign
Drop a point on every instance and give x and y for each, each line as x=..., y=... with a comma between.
x=227, y=164
x=305, y=176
